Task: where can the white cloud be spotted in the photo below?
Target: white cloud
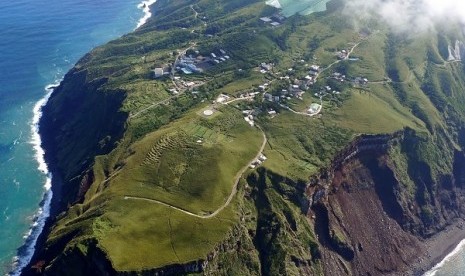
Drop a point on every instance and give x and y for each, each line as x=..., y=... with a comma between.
x=411, y=15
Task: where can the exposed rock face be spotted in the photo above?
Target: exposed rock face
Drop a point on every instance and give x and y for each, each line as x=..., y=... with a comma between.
x=366, y=222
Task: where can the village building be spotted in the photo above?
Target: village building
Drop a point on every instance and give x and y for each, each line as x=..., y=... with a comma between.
x=158, y=72
x=315, y=68
x=266, y=66
x=266, y=19
x=275, y=24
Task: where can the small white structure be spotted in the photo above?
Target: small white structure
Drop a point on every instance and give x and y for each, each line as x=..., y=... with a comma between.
x=249, y=121
x=266, y=19
x=208, y=112
x=222, y=98
x=315, y=68
x=158, y=72
x=314, y=109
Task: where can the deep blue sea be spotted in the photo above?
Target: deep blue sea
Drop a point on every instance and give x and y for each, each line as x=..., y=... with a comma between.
x=40, y=40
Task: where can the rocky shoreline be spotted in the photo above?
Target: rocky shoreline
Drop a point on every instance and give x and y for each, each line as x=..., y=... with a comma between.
x=439, y=247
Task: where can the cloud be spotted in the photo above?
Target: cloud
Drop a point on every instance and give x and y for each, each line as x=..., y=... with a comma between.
x=409, y=15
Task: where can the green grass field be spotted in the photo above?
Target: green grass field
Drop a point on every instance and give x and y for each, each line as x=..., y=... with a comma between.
x=146, y=235
x=365, y=112
x=192, y=163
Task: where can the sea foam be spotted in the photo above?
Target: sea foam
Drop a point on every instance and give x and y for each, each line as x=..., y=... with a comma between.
x=145, y=6
x=26, y=252
x=437, y=267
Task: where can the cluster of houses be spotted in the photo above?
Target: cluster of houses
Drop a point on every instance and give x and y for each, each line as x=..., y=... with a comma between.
x=182, y=84
x=296, y=88
x=338, y=76
x=190, y=64
x=266, y=67
x=196, y=63
x=326, y=91
x=219, y=56
x=360, y=81
x=274, y=21
x=262, y=158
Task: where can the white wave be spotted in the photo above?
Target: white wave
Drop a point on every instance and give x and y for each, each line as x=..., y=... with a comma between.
x=27, y=251
x=145, y=7
x=437, y=267
x=36, y=140
x=20, y=262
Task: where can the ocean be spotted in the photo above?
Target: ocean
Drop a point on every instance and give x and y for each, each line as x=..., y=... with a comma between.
x=40, y=40
x=452, y=265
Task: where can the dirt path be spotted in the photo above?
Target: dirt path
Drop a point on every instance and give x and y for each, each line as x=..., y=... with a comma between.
x=340, y=60
x=196, y=14
x=231, y=195
x=154, y=105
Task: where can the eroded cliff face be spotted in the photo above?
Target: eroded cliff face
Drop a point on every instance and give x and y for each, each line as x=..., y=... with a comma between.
x=368, y=220
x=70, y=151
x=70, y=154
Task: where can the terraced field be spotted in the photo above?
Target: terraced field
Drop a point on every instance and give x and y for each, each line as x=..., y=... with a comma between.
x=165, y=165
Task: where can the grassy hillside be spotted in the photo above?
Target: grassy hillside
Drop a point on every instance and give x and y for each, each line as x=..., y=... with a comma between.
x=155, y=185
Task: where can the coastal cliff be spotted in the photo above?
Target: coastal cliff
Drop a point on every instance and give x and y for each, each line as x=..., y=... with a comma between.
x=147, y=183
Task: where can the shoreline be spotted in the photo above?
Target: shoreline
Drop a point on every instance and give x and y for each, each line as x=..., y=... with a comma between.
x=26, y=252
x=439, y=248
x=145, y=7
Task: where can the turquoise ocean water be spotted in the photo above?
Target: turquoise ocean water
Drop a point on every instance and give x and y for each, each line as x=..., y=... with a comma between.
x=40, y=40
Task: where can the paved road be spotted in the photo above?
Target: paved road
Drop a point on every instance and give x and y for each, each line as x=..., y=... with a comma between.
x=228, y=201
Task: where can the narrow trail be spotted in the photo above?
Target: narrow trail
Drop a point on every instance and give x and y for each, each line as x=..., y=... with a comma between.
x=231, y=195
x=243, y=170
x=154, y=105
x=340, y=60
x=196, y=14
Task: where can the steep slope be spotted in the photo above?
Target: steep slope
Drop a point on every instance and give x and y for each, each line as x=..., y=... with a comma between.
x=225, y=170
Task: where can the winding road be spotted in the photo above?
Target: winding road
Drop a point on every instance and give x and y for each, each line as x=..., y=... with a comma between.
x=231, y=195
